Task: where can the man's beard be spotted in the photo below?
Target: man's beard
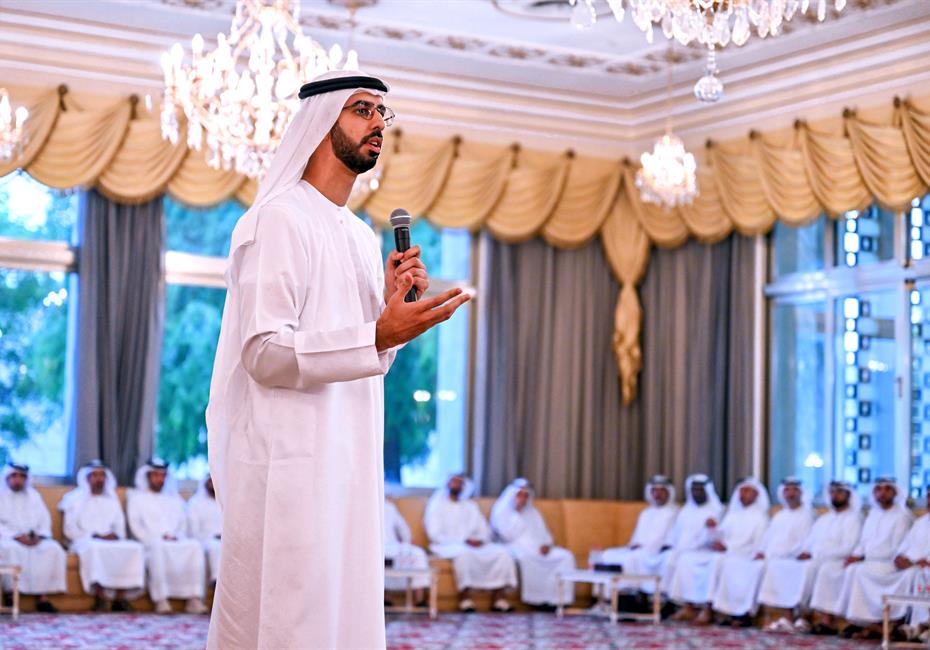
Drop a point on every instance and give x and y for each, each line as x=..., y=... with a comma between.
x=837, y=503
x=348, y=152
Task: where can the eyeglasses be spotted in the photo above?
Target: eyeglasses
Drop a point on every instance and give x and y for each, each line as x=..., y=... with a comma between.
x=367, y=111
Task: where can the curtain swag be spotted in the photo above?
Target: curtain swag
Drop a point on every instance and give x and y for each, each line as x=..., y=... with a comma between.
x=517, y=194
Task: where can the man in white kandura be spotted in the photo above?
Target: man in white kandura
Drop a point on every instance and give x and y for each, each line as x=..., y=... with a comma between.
x=457, y=529
x=918, y=566
x=95, y=524
x=646, y=553
x=787, y=582
x=739, y=535
x=296, y=414
x=885, y=528
x=157, y=519
x=694, y=528
x=520, y=526
x=883, y=573
x=738, y=581
x=205, y=524
x=26, y=538
x=401, y=553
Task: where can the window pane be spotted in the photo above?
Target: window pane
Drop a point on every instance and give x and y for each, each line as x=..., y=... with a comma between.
x=200, y=231
x=445, y=251
x=192, y=329
x=797, y=250
x=30, y=210
x=865, y=237
x=865, y=397
x=920, y=391
x=798, y=442
x=34, y=310
x=425, y=406
x=918, y=222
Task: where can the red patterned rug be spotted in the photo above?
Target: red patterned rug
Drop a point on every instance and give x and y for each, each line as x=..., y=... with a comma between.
x=449, y=632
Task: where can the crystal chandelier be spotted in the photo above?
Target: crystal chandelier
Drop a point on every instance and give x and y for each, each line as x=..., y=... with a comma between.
x=713, y=23
x=240, y=97
x=668, y=175
x=11, y=127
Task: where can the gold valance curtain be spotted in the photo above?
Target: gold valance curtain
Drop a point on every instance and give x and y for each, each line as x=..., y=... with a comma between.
x=745, y=185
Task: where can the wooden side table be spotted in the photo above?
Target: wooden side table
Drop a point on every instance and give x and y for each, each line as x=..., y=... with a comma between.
x=900, y=599
x=607, y=584
x=409, y=575
x=13, y=571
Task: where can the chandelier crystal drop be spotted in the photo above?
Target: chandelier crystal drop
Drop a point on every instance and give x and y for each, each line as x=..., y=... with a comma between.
x=11, y=127
x=712, y=23
x=668, y=175
x=239, y=98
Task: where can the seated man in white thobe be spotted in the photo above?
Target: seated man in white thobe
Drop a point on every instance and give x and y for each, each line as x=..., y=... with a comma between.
x=96, y=526
x=26, y=538
x=457, y=530
x=401, y=553
x=174, y=562
x=205, y=524
x=694, y=528
x=885, y=528
x=738, y=581
x=919, y=569
x=520, y=526
x=787, y=582
x=739, y=535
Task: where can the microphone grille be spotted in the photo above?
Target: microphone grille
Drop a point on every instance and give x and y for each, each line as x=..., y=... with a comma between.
x=400, y=218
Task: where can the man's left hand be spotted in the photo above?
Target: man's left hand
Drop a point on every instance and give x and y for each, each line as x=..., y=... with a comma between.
x=406, y=262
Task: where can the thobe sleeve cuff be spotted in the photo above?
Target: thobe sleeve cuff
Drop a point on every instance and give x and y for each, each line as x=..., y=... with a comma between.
x=339, y=355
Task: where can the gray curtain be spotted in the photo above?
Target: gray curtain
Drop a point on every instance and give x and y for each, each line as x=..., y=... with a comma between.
x=119, y=332
x=547, y=398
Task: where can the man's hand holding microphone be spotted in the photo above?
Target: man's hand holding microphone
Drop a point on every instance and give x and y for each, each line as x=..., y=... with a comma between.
x=405, y=316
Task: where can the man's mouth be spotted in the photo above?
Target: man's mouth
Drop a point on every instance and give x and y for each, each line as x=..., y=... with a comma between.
x=374, y=143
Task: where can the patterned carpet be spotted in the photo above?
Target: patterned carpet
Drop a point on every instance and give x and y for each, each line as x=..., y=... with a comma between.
x=449, y=632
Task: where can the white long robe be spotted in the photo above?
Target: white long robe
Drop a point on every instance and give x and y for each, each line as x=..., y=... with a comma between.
x=689, y=533
x=303, y=406
x=524, y=533
x=738, y=582
x=448, y=525
x=787, y=582
x=654, y=529
x=205, y=524
x=112, y=564
x=43, y=565
x=920, y=586
x=399, y=549
x=882, y=533
x=868, y=581
x=741, y=531
x=175, y=567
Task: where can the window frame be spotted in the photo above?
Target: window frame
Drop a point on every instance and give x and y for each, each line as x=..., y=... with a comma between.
x=834, y=282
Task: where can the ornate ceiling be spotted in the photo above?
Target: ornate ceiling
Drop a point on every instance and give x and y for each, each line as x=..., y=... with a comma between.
x=506, y=70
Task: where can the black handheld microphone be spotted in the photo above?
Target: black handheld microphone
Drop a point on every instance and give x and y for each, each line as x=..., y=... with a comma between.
x=401, y=219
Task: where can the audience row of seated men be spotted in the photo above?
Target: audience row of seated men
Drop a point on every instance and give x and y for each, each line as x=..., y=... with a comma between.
x=172, y=541
x=712, y=563
x=814, y=570
x=484, y=557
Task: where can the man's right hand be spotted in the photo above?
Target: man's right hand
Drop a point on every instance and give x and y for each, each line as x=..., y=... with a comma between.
x=804, y=556
x=404, y=321
x=25, y=540
x=474, y=543
x=852, y=559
